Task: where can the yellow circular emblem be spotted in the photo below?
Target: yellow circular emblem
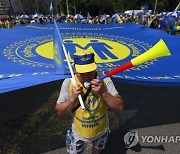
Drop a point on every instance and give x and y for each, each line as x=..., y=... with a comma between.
x=105, y=50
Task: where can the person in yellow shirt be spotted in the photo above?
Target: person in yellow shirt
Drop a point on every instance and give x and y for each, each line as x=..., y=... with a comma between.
x=9, y=24
x=2, y=24
x=91, y=124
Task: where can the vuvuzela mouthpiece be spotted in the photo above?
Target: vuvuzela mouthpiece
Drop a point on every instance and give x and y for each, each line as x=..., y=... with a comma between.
x=87, y=84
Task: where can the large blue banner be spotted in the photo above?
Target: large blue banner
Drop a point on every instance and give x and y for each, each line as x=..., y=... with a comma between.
x=27, y=56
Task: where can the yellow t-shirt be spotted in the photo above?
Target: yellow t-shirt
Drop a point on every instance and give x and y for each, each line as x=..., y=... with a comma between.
x=91, y=122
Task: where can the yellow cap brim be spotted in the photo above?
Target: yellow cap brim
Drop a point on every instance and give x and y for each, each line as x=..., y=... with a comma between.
x=85, y=68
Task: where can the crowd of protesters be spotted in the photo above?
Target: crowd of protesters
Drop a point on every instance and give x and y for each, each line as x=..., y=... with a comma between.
x=152, y=21
x=11, y=21
x=6, y=23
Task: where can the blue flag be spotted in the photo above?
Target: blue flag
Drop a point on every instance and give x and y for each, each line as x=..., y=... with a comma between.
x=51, y=8
x=59, y=57
x=88, y=17
x=105, y=19
x=169, y=19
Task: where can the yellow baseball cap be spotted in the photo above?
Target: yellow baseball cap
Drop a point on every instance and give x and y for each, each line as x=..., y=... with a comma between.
x=84, y=62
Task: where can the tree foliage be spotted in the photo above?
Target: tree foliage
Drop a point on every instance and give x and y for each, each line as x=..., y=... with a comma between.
x=96, y=7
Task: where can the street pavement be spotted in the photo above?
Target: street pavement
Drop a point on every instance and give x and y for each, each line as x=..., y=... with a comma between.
x=150, y=112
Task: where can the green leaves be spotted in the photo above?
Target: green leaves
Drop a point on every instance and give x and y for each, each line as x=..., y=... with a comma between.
x=112, y=6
